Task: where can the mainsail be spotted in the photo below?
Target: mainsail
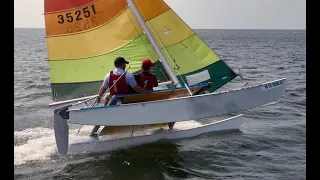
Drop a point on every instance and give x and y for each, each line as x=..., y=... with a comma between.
x=85, y=36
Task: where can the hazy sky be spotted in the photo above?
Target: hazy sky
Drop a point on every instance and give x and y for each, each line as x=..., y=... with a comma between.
x=205, y=14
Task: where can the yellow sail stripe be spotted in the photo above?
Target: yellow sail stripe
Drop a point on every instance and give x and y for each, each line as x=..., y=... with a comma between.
x=95, y=68
x=168, y=29
x=110, y=37
x=83, y=18
x=190, y=55
x=116, y=34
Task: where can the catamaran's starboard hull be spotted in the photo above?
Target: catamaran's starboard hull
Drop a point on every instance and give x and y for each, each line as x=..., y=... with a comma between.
x=180, y=109
x=229, y=124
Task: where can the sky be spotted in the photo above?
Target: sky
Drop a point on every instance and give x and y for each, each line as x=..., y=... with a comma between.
x=202, y=14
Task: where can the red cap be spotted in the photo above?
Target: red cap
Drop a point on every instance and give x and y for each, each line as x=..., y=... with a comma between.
x=148, y=63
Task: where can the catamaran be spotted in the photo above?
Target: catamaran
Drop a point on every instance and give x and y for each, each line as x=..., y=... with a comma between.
x=85, y=36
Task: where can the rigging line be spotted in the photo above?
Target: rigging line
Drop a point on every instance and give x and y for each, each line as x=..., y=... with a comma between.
x=145, y=44
x=165, y=77
x=157, y=36
x=95, y=102
x=202, y=40
x=242, y=79
x=176, y=67
x=163, y=73
x=71, y=91
x=185, y=84
x=165, y=50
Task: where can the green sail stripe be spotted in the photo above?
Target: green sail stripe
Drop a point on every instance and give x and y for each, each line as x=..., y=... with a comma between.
x=190, y=50
x=65, y=91
x=190, y=55
x=95, y=68
x=220, y=74
x=143, y=36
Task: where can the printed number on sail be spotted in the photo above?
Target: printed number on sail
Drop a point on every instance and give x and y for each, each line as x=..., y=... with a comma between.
x=69, y=17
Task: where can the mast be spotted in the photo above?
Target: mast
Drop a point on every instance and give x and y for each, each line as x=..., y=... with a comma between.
x=153, y=43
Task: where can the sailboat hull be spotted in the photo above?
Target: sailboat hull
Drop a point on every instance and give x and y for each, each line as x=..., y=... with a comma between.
x=181, y=109
x=232, y=123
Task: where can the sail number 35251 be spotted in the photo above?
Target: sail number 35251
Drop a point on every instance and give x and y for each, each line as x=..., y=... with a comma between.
x=69, y=17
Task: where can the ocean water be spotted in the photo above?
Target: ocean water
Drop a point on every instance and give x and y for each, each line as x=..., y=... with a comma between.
x=271, y=143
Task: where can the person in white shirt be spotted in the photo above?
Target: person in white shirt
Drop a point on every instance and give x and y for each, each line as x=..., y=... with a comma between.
x=122, y=83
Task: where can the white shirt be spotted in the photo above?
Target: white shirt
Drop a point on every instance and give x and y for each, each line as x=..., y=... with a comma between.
x=130, y=80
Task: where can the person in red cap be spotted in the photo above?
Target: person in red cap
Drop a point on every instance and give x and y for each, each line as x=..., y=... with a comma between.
x=122, y=83
x=147, y=80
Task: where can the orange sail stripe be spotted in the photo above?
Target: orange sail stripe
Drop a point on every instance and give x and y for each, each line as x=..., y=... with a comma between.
x=83, y=18
x=109, y=37
x=151, y=8
x=60, y=5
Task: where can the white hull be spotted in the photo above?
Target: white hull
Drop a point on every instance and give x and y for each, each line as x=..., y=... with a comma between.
x=232, y=123
x=181, y=109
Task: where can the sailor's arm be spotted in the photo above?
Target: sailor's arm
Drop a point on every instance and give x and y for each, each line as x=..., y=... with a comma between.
x=156, y=81
x=139, y=89
x=103, y=87
x=102, y=90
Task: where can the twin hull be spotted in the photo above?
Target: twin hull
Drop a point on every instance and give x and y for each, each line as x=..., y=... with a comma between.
x=180, y=109
x=229, y=124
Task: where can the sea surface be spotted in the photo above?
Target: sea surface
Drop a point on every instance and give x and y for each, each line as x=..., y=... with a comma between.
x=271, y=143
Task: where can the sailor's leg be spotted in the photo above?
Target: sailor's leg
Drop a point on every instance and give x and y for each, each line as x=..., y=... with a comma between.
x=171, y=126
x=94, y=131
x=117, y=101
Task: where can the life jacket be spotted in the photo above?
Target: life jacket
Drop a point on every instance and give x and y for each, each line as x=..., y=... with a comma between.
x=120, y=87
x=147, y=81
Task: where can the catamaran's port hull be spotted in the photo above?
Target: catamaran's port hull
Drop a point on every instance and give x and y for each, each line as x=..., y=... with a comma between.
x=229, y=124
x=181, y=109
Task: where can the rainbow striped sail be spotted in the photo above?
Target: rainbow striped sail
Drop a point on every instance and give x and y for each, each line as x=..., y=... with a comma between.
x=85, y=36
